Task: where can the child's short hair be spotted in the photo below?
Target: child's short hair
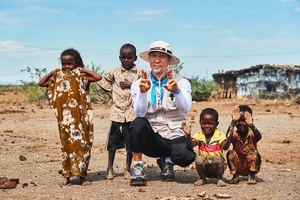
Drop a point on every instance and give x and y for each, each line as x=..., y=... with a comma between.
x=244, y=108
x=75, y=54
x=210, y=111
x=128, y=46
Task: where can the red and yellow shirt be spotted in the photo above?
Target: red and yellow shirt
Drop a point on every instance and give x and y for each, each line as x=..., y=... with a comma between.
x=213, y=148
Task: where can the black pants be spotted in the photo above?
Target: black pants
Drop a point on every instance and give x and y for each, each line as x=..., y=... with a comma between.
x=118, y=136
x=144, y=140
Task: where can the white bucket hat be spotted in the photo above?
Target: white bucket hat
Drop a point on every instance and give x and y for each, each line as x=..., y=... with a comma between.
x=163, y=47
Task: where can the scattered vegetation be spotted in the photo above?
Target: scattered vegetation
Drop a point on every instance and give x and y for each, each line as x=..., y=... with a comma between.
x=96, y=92
x=201, y=88
x=34, y=93
x=257, y=95
x=30, y=89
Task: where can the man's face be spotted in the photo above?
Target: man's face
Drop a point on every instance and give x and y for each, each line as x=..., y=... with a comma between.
x=159, y=62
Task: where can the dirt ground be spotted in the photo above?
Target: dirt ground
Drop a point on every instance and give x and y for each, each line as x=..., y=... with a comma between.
x=30, y=151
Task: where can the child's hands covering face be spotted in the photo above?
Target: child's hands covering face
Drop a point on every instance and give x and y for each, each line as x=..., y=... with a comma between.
x=235, y=114
x=248, y=118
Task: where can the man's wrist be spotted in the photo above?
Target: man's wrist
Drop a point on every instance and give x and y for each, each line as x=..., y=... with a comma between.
x=177, y=91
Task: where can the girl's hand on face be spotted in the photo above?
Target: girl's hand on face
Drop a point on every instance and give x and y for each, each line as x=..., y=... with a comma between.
x=248, y=118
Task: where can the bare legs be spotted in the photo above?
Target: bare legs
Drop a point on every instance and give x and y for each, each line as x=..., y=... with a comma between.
x=250, y=166
x=66, y=181
x=213, y=169
x=128, y=165
x=111, y=158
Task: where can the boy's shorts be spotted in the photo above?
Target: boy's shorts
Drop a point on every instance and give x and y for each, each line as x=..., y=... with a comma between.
x=118, y=136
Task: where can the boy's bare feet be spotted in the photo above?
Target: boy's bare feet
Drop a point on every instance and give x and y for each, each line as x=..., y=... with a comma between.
x=127, y=174
x=84, y=182
x=65, y=182
x=251, y=179
x=109, y=175
x=235, y=179
x=221, y=183
x=200, y=182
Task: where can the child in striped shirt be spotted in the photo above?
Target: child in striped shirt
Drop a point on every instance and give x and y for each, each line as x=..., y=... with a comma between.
x=210, y=162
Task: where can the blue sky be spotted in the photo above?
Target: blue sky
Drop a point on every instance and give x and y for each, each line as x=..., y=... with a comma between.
x=207, y=35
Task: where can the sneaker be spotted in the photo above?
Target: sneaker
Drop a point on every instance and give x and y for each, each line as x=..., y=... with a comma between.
x=167, y=173
x=137, y=175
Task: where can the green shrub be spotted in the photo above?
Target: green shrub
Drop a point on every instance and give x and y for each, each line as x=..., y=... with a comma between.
x=33, y=92
x=257, y=95
x=30, y=89
x=97, y=94
x=202, y=88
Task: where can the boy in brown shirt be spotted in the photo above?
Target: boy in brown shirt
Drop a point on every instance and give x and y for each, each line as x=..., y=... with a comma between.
x=244, y=158
x=116, y=83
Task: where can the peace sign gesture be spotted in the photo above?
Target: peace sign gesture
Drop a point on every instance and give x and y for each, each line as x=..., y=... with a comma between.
x=171, y=85
x=145, y=82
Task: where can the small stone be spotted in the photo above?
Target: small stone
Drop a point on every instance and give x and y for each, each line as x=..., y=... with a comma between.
x=22, y=158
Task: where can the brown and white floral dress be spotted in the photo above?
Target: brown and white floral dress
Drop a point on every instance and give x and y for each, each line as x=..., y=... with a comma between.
x=68, y=92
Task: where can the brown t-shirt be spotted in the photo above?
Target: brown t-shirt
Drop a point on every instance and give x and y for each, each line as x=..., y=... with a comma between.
x=121, y=109
x=243, y=148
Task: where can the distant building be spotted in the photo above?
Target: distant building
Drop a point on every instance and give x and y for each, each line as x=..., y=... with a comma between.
x=269, y=80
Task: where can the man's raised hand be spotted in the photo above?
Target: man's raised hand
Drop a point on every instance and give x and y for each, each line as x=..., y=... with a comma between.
x=171, y=85
x=145, y=83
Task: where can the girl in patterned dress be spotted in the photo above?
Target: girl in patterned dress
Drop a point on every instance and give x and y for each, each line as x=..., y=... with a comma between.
x=68, y=93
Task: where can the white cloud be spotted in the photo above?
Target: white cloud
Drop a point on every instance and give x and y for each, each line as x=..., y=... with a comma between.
x=297, y=9
x=18, y=49
x=11, y=46
x=189, y=26
x=6, y=19
x=43, y=9
x=225, y=8
x=195, y=27
x=148, y=15
x=226, y=31
x=290, y=2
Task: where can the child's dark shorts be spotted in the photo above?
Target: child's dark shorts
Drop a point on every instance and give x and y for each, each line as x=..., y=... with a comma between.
x=118, y=136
